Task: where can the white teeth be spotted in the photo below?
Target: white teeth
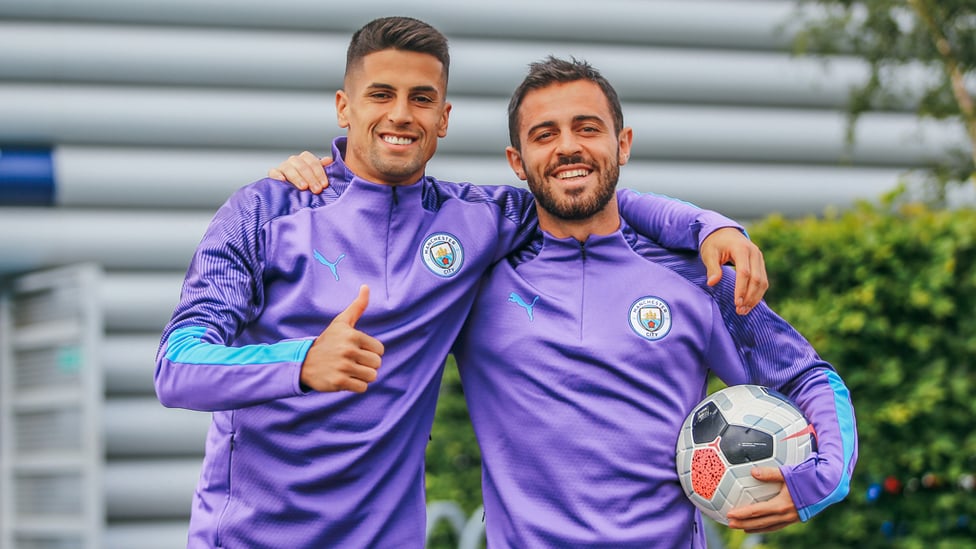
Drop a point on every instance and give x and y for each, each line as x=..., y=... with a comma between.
x=573, y=173
x=397, y=140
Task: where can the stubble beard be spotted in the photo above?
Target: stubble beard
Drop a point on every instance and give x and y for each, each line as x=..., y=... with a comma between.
x=395, y=168
x=584, y=203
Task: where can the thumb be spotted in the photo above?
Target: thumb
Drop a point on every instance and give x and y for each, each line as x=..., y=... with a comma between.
x=767, y=474
x=355, y=309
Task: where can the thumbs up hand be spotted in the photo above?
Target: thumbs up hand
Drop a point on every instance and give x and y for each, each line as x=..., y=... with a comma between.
x=343, y=358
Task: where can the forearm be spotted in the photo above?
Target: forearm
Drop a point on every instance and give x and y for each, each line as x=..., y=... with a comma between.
x=825, y=478
x=196, y=374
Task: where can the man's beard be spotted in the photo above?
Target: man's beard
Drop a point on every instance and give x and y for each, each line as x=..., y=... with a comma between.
x=582, y=205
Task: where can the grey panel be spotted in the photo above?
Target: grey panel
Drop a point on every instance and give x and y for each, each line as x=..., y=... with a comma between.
x=740, y=24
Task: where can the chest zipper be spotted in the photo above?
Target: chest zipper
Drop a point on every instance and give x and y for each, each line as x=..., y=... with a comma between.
x=582, y=304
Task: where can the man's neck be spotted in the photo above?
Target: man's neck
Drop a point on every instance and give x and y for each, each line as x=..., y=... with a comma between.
x=605, y=222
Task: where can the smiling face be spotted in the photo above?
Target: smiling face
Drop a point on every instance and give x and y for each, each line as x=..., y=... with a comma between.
x=394, y=107
x=571, y=155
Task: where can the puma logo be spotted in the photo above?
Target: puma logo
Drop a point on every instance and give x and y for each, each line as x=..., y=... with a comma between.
x=330, y=264
x=517, y=299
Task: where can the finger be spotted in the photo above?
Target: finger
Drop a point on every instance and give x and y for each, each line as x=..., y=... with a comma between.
x=713, y=267
x=767, y=529
x=275, y=173
x=370, y=345
x=353, y=385
x=760, y=278
x=743, y=279
x=290, y=171
x=281, y=173
x=764, y=519
x=355, y=310
x=365, y=374
x=318, y=170
x=305, y=166
x=757, y=518
x=362, y=356
x=774, y=505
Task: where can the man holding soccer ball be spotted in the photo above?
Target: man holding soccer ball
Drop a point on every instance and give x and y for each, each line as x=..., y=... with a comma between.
x=577, y=409
x=585, y=351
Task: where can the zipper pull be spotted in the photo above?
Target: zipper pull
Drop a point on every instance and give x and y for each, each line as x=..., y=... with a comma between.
x=396, y=199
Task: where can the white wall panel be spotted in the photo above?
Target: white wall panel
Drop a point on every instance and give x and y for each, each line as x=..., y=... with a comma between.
x=35, y=237
x=127, y=361
x=143, y=428
x=745, y=24
x=202, y=179
x=300, y=120
x=305, y=59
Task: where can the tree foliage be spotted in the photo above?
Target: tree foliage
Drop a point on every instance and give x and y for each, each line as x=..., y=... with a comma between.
x=887, y=294
x=892, y=35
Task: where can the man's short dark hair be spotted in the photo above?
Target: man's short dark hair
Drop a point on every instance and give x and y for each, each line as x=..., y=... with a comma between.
x=397, y=33
x=552, y=70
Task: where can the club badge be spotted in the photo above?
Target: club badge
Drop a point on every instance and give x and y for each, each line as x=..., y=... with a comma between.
x=443, y=254
x=650, y=318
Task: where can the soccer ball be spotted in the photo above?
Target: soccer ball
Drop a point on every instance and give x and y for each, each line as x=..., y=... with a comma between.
x=729, y=433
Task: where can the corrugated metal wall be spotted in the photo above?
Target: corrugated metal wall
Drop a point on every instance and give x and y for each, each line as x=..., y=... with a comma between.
x=130, y=121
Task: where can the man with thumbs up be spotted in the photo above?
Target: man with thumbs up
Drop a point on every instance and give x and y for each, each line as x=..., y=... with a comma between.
x=295, y=303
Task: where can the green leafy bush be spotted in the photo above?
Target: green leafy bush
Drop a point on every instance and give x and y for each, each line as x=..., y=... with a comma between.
x=453, y=458
x=888, y=295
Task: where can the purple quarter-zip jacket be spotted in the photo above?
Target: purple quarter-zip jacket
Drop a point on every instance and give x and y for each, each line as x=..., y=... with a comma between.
x=580, y=363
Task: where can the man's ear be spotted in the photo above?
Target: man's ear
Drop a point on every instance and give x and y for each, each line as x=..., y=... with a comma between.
x=342, y=102
x=515, y=161
x=625, y=141
x=445, y=116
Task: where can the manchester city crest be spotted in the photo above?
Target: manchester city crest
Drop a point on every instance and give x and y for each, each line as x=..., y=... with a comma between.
x=443, y=254
x=650, y=317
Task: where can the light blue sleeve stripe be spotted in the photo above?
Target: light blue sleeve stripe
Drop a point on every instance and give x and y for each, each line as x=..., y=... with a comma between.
x=186, y=346
x=848, y=430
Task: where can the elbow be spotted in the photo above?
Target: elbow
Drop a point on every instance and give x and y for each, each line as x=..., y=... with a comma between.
x=166, y=391
x=165, y=394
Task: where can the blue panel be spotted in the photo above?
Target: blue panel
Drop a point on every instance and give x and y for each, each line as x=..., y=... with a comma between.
x=26, y=176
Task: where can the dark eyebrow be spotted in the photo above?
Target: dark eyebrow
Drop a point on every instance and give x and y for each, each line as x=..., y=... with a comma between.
x=382, y=86
x=576, y=119
x=540, y=125
x=379, y=86
x=589, y=118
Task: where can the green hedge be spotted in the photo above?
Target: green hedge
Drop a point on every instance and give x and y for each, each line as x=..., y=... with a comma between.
x=453, y=458
x=888, y=295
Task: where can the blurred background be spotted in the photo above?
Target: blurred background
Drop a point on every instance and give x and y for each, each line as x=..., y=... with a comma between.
x=125, y=124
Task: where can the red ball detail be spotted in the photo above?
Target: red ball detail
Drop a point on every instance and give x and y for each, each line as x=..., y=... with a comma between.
x=707, y=470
